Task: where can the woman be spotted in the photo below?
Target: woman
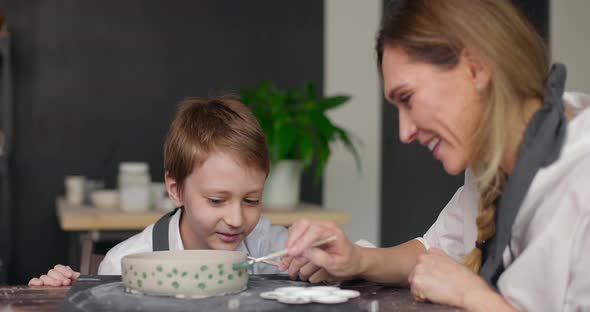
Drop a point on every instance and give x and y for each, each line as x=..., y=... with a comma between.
x=471, y=83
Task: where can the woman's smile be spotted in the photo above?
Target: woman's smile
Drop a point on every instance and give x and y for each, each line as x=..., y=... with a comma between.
x=434, y=145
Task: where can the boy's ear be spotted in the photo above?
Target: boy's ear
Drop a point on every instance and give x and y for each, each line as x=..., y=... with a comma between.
x=173, y=189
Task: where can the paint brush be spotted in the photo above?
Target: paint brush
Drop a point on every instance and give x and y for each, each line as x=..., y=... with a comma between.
x=275, y=263
x=245, y=264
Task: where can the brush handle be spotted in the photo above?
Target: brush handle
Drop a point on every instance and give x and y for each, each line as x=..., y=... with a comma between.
x=286, y=251
x=266, y=261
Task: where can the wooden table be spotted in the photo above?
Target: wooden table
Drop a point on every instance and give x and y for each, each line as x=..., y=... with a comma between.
x=373, y=298
x=87, y=225
x=24, y=298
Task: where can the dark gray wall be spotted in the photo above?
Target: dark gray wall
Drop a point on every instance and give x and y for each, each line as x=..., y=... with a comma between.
x=415, y=187
x=5, y=148
x=97, y=82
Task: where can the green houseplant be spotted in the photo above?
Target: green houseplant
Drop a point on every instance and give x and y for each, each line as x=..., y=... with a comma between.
x=296, y=125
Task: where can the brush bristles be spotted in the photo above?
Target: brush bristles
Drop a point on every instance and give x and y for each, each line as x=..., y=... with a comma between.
x=242, y=265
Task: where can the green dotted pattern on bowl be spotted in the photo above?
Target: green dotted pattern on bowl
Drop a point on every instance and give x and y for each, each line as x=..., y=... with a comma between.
x=166, y=275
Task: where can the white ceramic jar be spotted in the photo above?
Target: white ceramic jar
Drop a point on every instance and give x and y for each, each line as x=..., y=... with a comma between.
x=75, y=190
x=134, y=186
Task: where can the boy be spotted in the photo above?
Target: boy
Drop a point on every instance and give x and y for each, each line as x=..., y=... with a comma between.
x=216, y=162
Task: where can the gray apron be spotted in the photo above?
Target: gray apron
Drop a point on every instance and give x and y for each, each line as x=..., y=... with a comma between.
x=541, y=146
x=160, y=232
x=160, y=240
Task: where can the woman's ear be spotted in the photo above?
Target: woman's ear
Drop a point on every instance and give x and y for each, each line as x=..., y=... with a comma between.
x=480, y=71
x=174, y=190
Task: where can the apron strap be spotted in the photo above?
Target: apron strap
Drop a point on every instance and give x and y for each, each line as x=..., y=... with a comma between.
x=160, y=232
x=540, y=147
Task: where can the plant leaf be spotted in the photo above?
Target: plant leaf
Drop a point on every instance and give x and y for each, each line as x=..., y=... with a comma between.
x=284, y=140
x=323, y=126
x=332, y=102
x=344, y=137
x=306, y=151
x=323, y=154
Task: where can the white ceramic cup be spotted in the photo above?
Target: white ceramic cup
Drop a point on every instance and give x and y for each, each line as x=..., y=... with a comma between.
x=107, y=200
x=75, y=189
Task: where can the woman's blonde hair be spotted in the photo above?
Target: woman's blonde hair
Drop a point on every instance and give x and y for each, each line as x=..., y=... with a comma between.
x=202, y=127
x=438, y=32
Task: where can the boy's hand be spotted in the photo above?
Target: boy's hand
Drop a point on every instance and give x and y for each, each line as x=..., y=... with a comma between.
x=300, y=268
x=60, y=275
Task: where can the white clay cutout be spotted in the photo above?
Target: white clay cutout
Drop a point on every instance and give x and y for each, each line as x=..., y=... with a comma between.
x=347, y=293
x=317, y=294
x=325, y=288
x=271, y=295
x=311, y=293
x=290, y=289
x=293, y=300
x=331, y=299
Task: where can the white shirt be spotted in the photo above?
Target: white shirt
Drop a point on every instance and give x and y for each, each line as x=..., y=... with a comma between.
x=263, y=240
x=550, y=241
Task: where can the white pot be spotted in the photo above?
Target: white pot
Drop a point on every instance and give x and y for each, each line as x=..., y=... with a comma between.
x=281, y=190
x=185, y=273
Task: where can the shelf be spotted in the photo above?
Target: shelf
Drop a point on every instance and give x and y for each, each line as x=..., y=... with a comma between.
x=87, y=218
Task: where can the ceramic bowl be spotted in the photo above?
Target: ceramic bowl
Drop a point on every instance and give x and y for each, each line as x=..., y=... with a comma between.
x=105, y=199
x=186, y=273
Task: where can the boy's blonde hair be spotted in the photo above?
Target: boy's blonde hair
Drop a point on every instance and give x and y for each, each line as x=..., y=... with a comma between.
x=437, y=32
x=202, y=127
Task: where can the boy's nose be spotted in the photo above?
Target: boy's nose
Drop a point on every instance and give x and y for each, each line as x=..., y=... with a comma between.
x=234, y=216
